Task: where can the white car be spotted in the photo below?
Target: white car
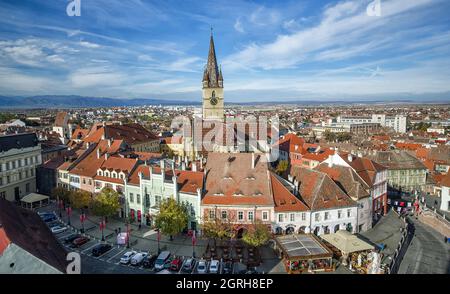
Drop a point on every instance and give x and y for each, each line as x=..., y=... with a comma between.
x=126, y=258
x=201, y=267
x=214, y=267
x=138, y=258
x=58, y=229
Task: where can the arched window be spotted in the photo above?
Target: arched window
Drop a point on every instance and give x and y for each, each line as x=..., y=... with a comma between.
x=213, y=94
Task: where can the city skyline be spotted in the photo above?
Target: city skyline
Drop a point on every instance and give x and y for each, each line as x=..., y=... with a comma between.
x=268, y=51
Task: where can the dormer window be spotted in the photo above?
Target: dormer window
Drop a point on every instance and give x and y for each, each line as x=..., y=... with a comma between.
x=219, y=193
x=238, y=193
x=257, y=193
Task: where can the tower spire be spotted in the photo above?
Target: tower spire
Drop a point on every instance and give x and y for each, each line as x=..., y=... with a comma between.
x=212, y=70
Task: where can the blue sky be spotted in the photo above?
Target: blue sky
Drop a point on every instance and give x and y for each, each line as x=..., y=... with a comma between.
x=269, y=50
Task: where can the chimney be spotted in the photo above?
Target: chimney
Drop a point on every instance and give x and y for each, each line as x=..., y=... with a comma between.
x=98, y=153
x=290, y=178
x=194, y=166
x=253, y=160
x=87, y=145
x=106, y=156
x=109, y=142
x=175, y=186
x=183, y=166
x=103, y=136
x=350, y=157
x=296, y=187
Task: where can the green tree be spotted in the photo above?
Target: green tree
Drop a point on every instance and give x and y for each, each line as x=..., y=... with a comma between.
x=172, y=217
x=217, y=228
x=256, y=235
x=106, y=203
x=282, y=167
x=59, y=193
x=341, y=137
x=80, y=199
x=329, y=136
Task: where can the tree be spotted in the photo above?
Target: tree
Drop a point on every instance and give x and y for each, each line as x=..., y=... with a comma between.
x=217, y=228
x=282, y=167
x=341, y=137
x=106, y=203
x=256, y=235
x=80, y=199
x=59, y=193
x=172, y=217
x=329, y=136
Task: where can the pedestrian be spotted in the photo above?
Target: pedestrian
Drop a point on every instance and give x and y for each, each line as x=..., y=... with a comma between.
x=139, y=226
x=115, y=231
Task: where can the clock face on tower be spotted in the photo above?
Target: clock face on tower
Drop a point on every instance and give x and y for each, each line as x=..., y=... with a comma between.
x=213, y=99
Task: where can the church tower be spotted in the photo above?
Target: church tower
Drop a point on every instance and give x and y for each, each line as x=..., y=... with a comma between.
x=212, y=91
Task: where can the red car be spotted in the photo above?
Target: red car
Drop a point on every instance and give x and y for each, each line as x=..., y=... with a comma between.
x=80, y=241
x=175, y=265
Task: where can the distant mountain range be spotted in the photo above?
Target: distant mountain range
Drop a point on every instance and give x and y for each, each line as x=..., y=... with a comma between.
x=73, y=101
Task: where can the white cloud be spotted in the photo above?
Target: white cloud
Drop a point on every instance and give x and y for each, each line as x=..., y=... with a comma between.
x=94, y=77
x=238, y=26
x=343, y=26
x=89, y=45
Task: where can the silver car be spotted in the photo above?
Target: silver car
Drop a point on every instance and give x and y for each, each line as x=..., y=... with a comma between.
x=126, y=258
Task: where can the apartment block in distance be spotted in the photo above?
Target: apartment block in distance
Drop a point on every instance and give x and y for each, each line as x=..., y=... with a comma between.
x=20, y=154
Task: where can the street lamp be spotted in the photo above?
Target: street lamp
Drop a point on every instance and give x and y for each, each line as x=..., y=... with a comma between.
x=69, y=212
x=102, y=227
x=61, y=206
x=128, y=235
x=82, y=219
x=194, y=240
x=159, y=238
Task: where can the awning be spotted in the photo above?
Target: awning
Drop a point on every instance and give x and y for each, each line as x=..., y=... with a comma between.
x=346, y=242
x=34, y=197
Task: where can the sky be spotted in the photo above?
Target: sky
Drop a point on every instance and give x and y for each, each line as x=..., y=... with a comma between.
x=268, y=50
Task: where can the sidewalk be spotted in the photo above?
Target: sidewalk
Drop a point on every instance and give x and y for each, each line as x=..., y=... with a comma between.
x=388, y=232
x=146, y=237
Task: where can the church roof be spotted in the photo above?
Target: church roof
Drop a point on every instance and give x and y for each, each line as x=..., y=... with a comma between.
x=211, y=74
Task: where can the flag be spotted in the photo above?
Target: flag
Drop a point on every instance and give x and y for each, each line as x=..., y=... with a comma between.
x=194, y=240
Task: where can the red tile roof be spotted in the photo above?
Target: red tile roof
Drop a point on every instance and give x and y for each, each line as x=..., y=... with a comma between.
x=130, y=133
x=283, y=199
x=231, y=180
x=446, y=180
x=60, y=119
x=25, y=229
x=367, y=169
x=318, y=190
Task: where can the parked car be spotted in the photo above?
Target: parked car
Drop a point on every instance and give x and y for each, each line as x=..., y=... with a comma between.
x=189, y=265
x=149, y=261
x=161, y=260
x=58, y=229
x=214, y=267
x=48, y=217
x=80, y=241
x=175, y=265
x=101, y=249
x=138, y=258
x=202, y=267
x=228, y=267
x=70, y=238
x=126, y=258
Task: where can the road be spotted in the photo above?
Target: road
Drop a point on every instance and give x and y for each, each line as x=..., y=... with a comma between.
x=427, y=253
